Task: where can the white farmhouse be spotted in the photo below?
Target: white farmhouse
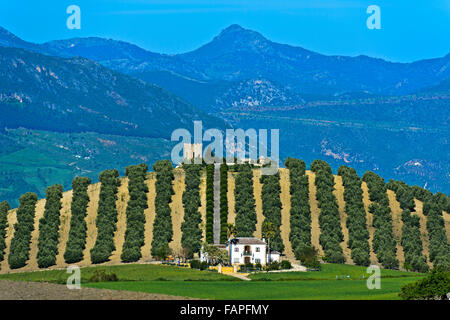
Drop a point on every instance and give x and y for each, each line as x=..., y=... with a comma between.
x=250, y=250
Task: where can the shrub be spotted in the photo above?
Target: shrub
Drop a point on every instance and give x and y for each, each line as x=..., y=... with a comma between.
x=203, y=265
x=274, y=265
x=134, y=234
x=102, y=276
x=308, y=256
x=49, y=228
x=106, y=217
x=285, y=265
x=20, y=243
x=195, y=264
x=435, y=286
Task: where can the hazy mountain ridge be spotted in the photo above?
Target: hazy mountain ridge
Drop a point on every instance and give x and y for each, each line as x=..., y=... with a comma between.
x=76, y=94
x=238, y=54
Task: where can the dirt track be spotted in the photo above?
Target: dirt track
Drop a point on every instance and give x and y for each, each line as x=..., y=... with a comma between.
x=18, y=290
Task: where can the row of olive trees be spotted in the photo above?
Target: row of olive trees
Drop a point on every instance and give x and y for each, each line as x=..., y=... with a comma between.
x=384, y=244
x=271, y=208
x=330, y=226
x=439, y=247
x=49, y=228
x=191, y=239
x=439, y=200
x=223, y=202
x=106, y=216
x=358, y=235
x=162, y=226
x=300, y=213
x=433, y=205
x=210, y=203
x=403, y=193
x=77, y=233
x=244, y=201
x=20, y=243
x=4, y=208
x=410, y=241
x=135, y=231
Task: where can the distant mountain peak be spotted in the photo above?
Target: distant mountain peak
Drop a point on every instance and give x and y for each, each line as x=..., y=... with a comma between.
x=5, y=35
x=233, y=28
x=235, y=31
x=8, y=39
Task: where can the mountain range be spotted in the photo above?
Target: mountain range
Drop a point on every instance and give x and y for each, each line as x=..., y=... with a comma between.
x=238, y=60
x=85, y=102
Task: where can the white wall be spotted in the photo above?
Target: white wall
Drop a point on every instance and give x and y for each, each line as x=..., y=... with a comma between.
x=255, y=256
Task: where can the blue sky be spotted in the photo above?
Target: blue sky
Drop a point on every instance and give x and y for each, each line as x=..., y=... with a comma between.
x=411, y=30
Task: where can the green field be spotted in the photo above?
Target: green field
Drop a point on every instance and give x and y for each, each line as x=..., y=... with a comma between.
x=329, y=272
x=210, y=285
x=127, y=272
x=263, y=290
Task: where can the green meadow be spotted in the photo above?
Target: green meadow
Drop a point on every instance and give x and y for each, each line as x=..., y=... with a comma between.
x=334, y=281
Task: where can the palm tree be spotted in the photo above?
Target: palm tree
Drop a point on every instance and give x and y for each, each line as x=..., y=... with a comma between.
x=231, y=230
x=268, y=231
